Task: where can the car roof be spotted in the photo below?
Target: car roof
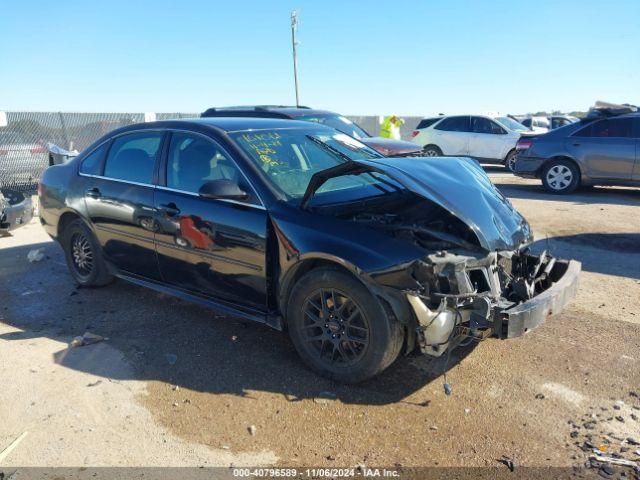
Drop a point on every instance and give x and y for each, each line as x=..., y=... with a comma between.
x=229, y=124
x=258, y=110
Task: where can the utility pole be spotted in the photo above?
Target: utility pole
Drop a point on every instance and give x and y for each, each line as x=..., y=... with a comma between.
x=294, y=43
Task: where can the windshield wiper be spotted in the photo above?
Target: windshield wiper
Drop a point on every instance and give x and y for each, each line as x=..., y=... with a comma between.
x=329, y=148
x=319, y=178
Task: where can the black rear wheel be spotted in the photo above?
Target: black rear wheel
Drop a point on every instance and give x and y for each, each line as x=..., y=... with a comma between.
x=83, y=255
x=510, y=161
x=339, y=329
x=431, y=151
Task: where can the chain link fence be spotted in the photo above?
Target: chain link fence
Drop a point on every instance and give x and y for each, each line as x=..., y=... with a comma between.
x=26, y=136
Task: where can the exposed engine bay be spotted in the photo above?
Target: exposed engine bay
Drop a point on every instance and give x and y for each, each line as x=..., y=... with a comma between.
x=459, y=291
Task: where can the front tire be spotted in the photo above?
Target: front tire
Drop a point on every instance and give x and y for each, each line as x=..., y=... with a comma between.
x=84, y=257
x=561, y=176
x=339, y=328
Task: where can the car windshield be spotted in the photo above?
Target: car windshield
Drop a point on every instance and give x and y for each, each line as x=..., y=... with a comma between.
x=290, y=157
x=511, y=124
x=340, y=123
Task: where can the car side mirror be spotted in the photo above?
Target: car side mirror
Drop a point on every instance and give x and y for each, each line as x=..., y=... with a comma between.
x=222, y=190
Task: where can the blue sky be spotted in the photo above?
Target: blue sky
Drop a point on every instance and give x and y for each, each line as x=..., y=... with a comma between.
x=369, y=57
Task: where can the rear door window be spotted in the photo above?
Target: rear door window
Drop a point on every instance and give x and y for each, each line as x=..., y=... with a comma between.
x=454, y=124
x=484, y=125
x=609, y=128
x=132, y=157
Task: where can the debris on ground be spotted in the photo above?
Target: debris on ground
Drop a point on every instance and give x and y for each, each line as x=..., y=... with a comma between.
x=252, y=429
x=171, y=358
x=615, y=461
x=87, y=338
x=539, y=396
x=511, y=465
x=94, y=384
x=35, y=255
x=5, y=453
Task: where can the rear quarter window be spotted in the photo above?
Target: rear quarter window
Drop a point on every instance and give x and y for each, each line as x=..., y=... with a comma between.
x=92, y=163
x=427, y=122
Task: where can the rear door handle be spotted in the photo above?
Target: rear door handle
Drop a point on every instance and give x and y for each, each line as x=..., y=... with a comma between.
x=170, y=209
x=576, y=144
x=93, y=193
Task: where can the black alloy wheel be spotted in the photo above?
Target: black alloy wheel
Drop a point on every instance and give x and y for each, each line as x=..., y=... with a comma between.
x=335, y=327
x=340, y=328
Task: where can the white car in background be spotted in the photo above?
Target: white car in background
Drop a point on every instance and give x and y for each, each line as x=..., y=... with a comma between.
x=558, y=121
x=489, y=139
x=537, y=124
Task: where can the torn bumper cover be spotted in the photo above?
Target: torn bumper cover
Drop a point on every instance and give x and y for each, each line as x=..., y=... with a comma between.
x=518, y=320
x=511, y=302
x=16, y=209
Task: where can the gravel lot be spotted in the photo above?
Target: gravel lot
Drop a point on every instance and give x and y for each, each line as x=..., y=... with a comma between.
x=125, y=402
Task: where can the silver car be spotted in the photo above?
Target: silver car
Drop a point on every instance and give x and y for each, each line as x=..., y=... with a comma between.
x=22, y=159
x=594, y=151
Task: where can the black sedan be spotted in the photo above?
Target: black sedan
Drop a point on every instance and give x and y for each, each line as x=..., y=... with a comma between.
x=304, y=228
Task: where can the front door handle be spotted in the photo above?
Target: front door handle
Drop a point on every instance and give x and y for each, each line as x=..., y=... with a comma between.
x=576, y=144
x=171, y=209
x=93, y=193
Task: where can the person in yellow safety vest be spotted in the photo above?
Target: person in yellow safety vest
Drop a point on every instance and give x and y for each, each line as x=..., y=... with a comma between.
x=390, y=127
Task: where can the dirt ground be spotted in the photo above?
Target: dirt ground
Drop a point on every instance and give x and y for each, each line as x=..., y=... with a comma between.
x=175, y=384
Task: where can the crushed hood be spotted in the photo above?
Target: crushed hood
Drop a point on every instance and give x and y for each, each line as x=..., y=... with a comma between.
x=460, y=185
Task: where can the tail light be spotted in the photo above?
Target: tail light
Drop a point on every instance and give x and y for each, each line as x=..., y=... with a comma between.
x=414, y=133
x=524, y=143
x=39, y=189
x=38, y=150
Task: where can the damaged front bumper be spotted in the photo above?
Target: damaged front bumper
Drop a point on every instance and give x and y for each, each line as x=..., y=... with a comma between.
x=502, y=305
x=16, y=209
x=518, y=320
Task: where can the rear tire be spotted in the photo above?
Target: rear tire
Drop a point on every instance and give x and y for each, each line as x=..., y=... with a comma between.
x=560, y=176
x=84, y=256
x=431, y=151
x=510, y=161
x=339, y=328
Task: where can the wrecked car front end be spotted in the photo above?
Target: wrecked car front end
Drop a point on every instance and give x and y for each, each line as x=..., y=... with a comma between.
x=504, y=294
x=16, y=209
x=477, y=277
x=490, y=284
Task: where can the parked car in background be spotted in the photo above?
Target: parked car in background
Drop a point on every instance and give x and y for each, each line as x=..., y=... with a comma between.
x=301, y=227
x=557, y=121
x=537, y=124
x=602, y=150
x=16, y=209
x=385, y=146
x=22, y=158
x=486, y=138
